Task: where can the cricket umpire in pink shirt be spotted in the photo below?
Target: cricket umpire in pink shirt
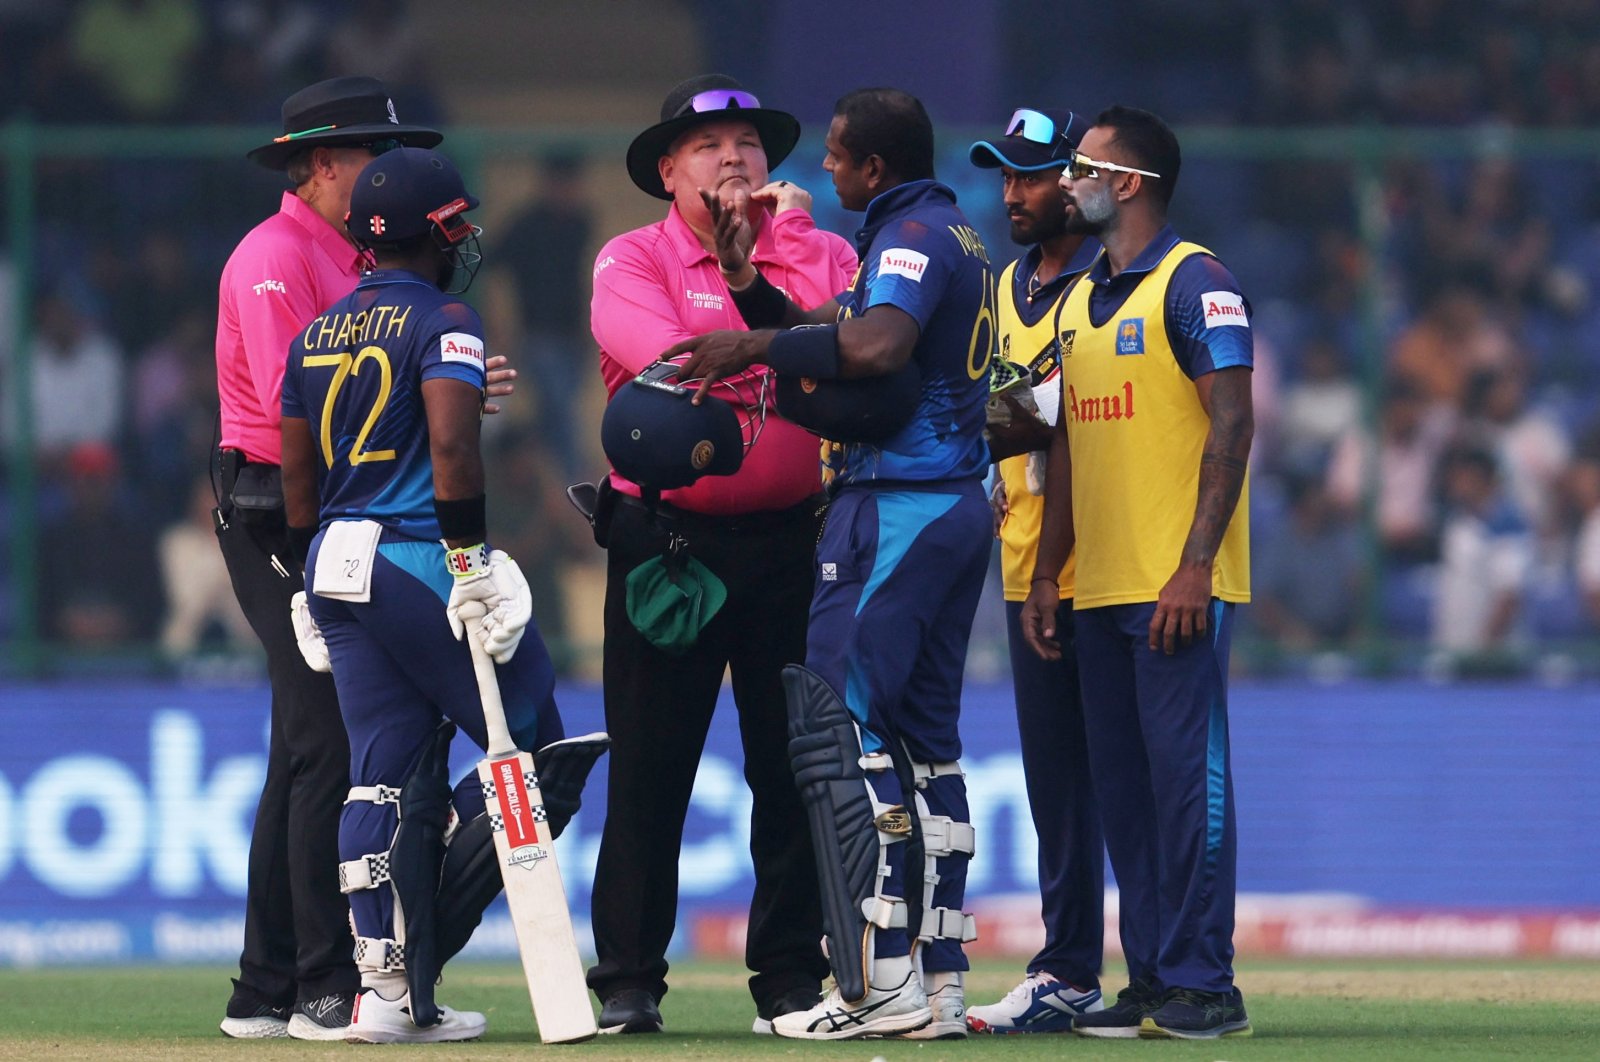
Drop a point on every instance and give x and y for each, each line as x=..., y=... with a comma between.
x=755, y=530
x=297, y=974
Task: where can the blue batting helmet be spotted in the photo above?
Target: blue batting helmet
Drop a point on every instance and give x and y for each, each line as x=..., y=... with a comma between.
x=654, y=434
x=409, y=192
x=868, y=409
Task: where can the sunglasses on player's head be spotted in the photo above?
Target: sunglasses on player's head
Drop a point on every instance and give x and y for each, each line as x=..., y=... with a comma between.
x=1034, y=125
x=1081, y=167
x=718, y=100
x=381, y=147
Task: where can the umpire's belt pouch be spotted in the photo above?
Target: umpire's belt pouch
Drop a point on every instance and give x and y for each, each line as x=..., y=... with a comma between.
x=344, y=560
x=605, y=507
x=597, y=502
x=670, y=601
x=257, y=494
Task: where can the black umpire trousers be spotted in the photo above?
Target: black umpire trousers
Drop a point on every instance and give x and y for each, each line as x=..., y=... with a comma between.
x=658, y=712
x=297, y=940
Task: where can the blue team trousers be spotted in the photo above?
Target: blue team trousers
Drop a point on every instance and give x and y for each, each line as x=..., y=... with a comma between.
x=400, y=672
x=1055, y=764
x=899, y=574
x=1158, y=738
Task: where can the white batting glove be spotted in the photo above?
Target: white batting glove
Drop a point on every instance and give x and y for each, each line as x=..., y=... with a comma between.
x=306, y=635
x=494, y=579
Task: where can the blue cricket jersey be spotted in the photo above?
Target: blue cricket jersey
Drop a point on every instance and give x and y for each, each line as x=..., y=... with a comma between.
x=355, y=373
x=919, y=254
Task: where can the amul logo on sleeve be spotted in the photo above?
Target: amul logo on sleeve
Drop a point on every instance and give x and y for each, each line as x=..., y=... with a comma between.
x=1224, y=308
x=462, y=347
x=902, y=262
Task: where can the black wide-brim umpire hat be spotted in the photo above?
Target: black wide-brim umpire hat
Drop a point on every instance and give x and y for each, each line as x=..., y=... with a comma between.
x=707, y=98
x=340, y=110
x=1035, y=139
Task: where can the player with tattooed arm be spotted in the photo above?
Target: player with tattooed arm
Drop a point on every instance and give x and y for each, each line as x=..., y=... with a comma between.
x=1146, y=474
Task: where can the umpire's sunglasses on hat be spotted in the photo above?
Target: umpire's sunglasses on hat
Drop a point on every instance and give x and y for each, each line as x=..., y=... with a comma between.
x=717, y=100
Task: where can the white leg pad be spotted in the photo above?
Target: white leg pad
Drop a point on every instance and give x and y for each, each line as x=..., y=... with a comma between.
x=942, y=836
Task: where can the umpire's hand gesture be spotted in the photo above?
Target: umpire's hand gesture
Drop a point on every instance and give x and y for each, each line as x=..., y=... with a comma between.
x=731, y=231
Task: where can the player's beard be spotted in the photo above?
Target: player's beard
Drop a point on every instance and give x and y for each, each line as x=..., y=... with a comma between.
x=1029, y=229
x=1092, y=212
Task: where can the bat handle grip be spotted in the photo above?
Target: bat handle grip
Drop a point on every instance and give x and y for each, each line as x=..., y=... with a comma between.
x=494, y=712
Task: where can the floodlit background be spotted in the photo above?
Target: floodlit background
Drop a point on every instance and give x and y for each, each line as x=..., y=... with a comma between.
x=1409, y=192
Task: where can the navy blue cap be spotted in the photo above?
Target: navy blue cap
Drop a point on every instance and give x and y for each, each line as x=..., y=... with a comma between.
x=405, y=193
x=1036, y=139
x=654, y=435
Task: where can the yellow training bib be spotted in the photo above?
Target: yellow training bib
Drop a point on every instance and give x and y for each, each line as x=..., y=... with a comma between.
x=1137, y=429
x=1032, y=346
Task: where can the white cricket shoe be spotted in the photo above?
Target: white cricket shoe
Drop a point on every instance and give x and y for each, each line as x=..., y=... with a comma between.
x=388, y=1021
x=948, y=1002
x=1040, y=1004
x=883, y=1012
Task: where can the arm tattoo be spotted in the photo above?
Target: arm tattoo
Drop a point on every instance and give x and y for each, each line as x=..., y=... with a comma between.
x=1222, y=465
x=1231, y=464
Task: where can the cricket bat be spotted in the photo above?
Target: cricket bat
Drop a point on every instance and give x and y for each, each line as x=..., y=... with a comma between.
x=527, y=857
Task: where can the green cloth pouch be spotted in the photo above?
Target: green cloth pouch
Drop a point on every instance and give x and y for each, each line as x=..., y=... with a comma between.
x=670, y=602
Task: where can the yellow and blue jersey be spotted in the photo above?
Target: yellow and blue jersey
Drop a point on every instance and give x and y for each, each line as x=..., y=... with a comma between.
x=356, y=372
x=1027, y=323
x=1132, y=346
x=920, y=255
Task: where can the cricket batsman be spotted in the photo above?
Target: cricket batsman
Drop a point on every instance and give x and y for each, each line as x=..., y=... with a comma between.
x=383, y=490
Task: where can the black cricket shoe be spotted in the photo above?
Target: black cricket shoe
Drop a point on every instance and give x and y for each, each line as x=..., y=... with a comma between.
x=630, y=1010
x=1192, y=1015
x=1123, y=1019
x=796, y=999
x=324, y=1018
x=251, y=1016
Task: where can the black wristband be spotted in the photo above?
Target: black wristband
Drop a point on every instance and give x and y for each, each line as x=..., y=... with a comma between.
x=810, y=350
x=300, y=539
x=761, y=304
x=462, y=518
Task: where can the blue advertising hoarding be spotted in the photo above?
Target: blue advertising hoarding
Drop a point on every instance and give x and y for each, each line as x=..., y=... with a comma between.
x=125, y=809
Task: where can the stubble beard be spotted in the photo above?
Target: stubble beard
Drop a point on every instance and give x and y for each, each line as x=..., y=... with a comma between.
x=1093, y=213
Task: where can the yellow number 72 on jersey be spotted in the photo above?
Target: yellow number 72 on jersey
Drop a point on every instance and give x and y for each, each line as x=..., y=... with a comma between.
x=346, y=366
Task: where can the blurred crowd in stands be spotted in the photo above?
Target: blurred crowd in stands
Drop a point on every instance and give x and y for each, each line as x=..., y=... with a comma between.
x=1442, y=490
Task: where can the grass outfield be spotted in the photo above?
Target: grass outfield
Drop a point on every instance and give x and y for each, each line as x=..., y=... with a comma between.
x=1378, y=1011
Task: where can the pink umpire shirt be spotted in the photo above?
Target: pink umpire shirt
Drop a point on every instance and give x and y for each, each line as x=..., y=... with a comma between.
x=284, y=272
x=657, y=285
